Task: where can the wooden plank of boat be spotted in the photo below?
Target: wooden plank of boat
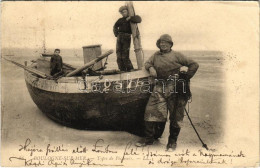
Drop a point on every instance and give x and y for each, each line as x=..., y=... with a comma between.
x=73, y=104
x=136, y=37
x=75, y=84
x=89, y=64
x=81, y=110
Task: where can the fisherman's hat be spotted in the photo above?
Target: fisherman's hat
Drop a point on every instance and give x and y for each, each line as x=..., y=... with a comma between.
x=122, y=8
x=164, y=37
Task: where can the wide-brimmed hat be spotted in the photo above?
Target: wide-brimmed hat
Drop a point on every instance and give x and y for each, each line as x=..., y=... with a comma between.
x=164, y=37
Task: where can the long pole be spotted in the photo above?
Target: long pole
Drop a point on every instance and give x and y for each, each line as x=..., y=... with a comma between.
x=136, y=37
x=89, y=64
x=32, y=70
x=203, y=144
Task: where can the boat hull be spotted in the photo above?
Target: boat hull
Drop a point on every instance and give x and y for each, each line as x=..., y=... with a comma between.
x=89, y=110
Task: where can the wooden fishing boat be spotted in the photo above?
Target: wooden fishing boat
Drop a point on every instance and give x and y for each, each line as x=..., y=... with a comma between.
x=104, y=102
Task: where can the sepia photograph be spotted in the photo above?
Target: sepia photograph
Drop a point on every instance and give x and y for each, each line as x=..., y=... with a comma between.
x=129, y=84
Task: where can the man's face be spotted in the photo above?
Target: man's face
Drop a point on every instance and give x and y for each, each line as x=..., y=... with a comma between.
x=165, y=46
x=56, y=52
x=124, y=13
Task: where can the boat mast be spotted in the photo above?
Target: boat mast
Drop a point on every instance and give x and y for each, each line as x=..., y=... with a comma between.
x=136, y=37
x=44, y=40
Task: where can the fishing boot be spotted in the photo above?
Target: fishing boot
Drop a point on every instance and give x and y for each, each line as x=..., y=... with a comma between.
x=172, y=141
x=149, y=135
x=159, y=128
x=144, y=142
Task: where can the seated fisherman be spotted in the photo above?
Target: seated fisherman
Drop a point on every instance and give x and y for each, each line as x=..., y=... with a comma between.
x=122, y=30
x=56, y=63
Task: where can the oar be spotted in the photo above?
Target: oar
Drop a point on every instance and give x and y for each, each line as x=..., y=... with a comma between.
x=32, y=70
x=89, y=64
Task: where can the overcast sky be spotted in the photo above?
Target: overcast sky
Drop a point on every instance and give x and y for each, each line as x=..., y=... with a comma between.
x=193, y=25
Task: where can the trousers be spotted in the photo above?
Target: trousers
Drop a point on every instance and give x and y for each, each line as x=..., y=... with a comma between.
x=154, y=129
x=122, y=51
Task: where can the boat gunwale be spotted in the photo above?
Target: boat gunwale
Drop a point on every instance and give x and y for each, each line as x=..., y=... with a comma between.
x=115, y=77
x=72, y=84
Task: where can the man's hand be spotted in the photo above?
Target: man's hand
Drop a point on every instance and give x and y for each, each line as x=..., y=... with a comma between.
x=128, y=18
x=184, y=68
x=153, y=72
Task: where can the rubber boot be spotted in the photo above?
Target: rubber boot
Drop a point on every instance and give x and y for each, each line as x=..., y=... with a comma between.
x=149, y=135
x=159, y=128
x=172, y=141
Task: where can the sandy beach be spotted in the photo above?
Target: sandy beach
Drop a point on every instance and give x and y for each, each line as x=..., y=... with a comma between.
x=21, y=119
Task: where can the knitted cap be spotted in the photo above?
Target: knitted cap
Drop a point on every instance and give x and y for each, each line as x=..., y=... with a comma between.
x=122, y=8
x=164, y=37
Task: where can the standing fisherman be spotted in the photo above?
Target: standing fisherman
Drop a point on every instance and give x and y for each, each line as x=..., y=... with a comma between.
x=56, y=63
x=122, y=30
x=163, y=65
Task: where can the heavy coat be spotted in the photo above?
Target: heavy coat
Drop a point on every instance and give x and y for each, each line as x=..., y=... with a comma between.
x=163, y=99
x=56, y=64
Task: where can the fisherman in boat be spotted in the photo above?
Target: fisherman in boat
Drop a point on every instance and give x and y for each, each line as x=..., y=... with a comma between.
x=56, y=63
x=122, y=31
x=163, y=65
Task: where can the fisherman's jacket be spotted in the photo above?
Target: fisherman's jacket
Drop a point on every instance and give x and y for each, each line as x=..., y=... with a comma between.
x=56, y=64
x=163, y=99
x=167, y=64
x=123, y=26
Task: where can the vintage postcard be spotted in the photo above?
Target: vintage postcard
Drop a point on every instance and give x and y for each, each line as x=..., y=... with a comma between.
x=129, y=84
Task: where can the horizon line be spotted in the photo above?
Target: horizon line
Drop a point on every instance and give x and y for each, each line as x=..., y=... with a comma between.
x=108, y=49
